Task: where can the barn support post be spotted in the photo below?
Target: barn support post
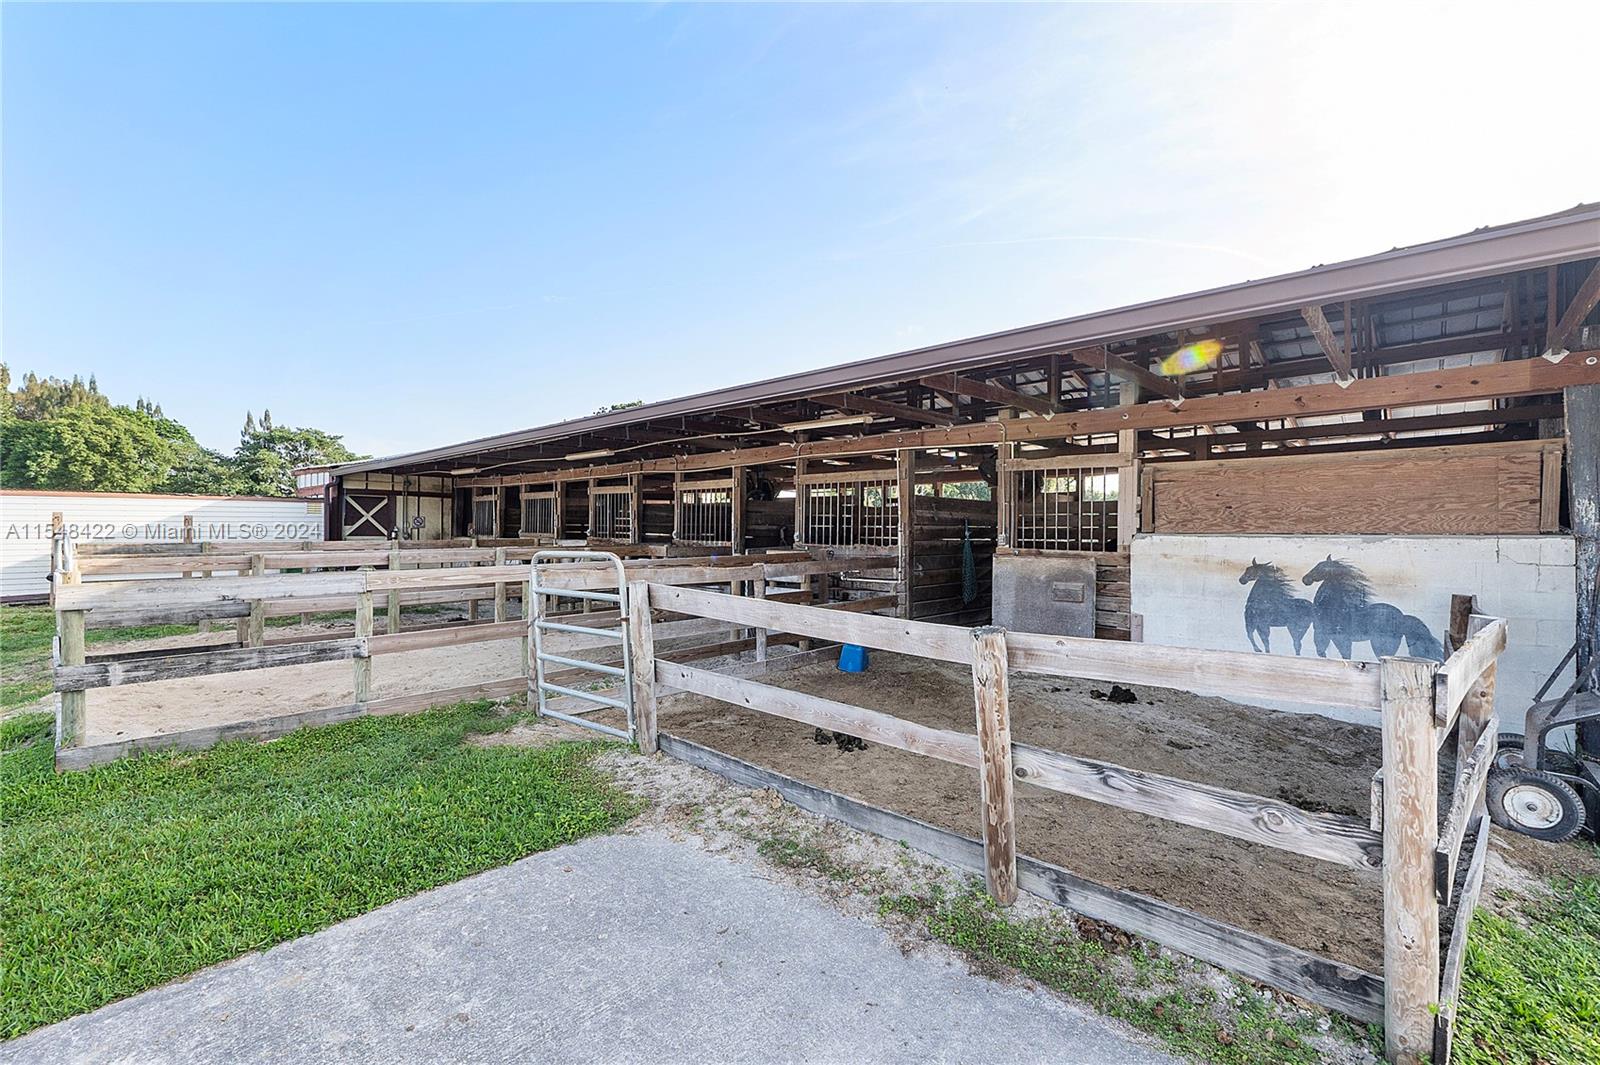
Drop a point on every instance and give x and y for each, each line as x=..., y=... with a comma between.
x=527, y=632
x=1128, y=473
x=392, y=610
x=1410, y=835
x=906, y=492
x=990, y=689
x=1582, y=406
x=642, y=660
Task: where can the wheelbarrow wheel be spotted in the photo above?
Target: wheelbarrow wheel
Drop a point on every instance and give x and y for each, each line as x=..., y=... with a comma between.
x=1510, y=748
x=1534, y=804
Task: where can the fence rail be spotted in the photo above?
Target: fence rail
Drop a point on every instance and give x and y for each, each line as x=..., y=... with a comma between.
x=1416, y=702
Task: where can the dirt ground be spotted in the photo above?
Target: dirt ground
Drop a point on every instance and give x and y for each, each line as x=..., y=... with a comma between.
x=1309, y=761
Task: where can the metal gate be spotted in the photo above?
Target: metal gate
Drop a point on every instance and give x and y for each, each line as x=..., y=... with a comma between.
x=540, y=625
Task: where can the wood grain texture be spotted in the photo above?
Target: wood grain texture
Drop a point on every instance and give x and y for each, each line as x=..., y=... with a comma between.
x=1320, y=980
x=642, y=653
x=1466, y=806
x=1450, y=490
x=1455, y=956
x=1459, y=676
x=1330, y=837
x=870, y=725
x=991, y=697
x=1410, y=837
x=143, y=670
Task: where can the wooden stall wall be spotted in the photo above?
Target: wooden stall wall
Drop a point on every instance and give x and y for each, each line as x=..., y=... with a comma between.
x=938, y=525
x=1500, y=488
x=768, y=515
x=656, y=509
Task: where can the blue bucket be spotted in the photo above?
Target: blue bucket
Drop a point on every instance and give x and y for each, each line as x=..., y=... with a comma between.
x=852, y=659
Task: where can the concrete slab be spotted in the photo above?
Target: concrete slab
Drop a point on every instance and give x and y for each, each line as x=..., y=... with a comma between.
x=618, y=948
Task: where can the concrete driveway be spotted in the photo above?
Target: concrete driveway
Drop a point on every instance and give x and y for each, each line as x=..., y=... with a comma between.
x=618, y=948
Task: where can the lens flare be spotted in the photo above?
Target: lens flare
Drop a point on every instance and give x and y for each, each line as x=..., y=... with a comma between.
x=1200, y=355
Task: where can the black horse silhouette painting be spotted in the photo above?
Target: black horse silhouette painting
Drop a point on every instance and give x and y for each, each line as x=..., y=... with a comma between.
x=1343, y=614
x=1272, y=605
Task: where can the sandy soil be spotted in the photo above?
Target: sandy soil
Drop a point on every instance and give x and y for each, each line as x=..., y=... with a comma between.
x=174, y=705
x=1310, y=761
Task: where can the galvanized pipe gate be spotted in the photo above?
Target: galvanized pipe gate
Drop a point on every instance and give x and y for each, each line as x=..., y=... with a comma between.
x=539, y=625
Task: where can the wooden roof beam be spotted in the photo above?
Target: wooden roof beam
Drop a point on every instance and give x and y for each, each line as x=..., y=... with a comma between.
x=867, y=405
x=1099, y=358
x=1583, y=301
x=1336, y=352
x=955, y=384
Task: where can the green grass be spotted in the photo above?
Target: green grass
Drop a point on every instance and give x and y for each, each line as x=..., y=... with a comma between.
x=125, y=876
x=1128, y=980
x=25, y=635
x=1531, y=989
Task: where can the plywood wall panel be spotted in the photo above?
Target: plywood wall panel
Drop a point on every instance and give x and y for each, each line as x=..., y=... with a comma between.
x=1485, y=489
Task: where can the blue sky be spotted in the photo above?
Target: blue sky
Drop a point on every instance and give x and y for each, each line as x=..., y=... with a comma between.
x=415, y=224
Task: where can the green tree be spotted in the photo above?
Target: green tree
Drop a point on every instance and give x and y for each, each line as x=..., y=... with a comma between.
x=85, y=447
x=266, y=459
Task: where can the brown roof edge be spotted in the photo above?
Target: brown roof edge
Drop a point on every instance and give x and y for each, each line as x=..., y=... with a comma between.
x=1534, y=242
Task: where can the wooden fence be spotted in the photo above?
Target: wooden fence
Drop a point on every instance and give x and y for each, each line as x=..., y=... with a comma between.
x=81, y=604
x=1419, y=705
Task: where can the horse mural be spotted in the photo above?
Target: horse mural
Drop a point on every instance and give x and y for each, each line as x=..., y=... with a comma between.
x=1271, y=605
x=1343, y=614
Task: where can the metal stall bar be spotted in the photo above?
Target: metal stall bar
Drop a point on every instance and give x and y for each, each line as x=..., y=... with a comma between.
x=538, y=625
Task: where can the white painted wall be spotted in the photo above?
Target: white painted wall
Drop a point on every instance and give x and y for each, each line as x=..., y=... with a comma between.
x=1187, y=590
x=98, y=517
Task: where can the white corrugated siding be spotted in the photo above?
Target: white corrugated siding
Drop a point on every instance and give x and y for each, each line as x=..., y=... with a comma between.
x=108, y=517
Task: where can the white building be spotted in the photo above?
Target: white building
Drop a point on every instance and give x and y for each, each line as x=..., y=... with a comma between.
x=103, y=517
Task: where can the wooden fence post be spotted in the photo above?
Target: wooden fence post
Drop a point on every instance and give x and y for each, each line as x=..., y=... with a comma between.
x=256, y=630
x=392, y=610
x=1410, y=835
x=527, y=632
x=642, y=655
x=71, y=707
x=989, y=688
x=761, y=634
x=501, y=589
x=363, y=665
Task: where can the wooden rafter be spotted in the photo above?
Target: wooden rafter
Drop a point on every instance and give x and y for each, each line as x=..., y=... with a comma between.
x=1583, y=301
x=1328, y=341
x=956, y=385
x=1100, y=359
x=868, y=405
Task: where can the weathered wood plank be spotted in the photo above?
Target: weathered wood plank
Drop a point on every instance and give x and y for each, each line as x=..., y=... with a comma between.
x=870, y=725
x=1460, y=672
x=444, y=636
x=1410, y=836
x=1329, y=682
x=1320, y=980
x=1343, y=840
x=642, y=655
x=1456, y=951
x=109, y=674
x=201, y=738
x=991, y=698
x=1465, y=808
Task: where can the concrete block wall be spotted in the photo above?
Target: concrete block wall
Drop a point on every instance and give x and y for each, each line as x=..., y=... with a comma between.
x=1187, y=589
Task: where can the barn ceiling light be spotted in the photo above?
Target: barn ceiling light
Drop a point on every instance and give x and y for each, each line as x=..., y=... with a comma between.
x=827, y=423
x=598, y=453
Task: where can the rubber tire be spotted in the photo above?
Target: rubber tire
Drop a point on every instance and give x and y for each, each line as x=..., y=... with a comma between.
x=1509, y=748
x=1573, y=814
